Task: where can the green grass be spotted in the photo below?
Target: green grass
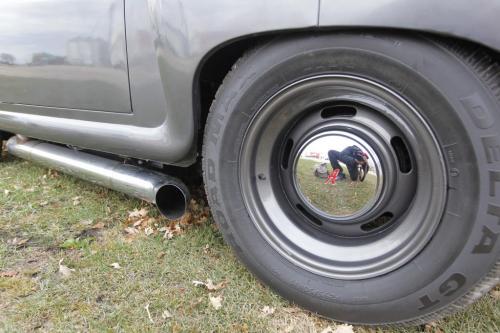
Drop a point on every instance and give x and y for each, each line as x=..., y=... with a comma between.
x=40, y=225
x=341, y=198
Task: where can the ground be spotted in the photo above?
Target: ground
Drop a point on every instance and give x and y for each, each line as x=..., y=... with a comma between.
x=343, y=198
x=124, y=268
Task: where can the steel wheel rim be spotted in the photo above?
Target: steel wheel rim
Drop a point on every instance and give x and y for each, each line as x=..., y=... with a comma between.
x=324, y=251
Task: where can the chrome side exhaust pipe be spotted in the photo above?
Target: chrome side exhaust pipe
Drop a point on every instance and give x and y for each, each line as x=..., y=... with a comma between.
x=170, y=195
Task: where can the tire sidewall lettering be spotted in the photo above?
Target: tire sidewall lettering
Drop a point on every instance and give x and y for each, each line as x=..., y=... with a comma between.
x=483, y=120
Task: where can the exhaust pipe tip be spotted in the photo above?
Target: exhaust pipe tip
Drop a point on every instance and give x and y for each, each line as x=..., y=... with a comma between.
x=172, y=200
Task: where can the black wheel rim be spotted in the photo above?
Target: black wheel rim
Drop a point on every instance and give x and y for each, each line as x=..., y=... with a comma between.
x=392, y=228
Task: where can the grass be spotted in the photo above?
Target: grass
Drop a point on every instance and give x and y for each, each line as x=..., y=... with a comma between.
x=342, y=198
x=46, y=217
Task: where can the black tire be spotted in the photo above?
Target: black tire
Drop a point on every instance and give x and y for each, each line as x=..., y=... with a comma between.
x=2, y=150
x=3, y=137
x=455, y=88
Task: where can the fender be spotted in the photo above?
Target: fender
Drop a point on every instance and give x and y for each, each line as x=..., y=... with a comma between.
x=472, y=20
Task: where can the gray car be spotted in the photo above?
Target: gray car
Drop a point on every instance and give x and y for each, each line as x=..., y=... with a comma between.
x=400, y=99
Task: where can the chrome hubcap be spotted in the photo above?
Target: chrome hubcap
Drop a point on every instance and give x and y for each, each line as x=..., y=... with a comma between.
x=331, y=182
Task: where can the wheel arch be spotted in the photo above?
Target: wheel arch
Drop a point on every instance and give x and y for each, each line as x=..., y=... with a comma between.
x=217, y=62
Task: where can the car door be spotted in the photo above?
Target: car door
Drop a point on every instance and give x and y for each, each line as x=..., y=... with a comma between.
x=68, y=54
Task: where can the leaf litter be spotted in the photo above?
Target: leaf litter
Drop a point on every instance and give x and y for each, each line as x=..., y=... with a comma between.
x=116, y=265
x=65, y=271
x=18, y=242
x=215, y=301
x=267, y=311
x=140, y=221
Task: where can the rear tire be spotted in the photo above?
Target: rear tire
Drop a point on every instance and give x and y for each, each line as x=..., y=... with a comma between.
x=444, y=100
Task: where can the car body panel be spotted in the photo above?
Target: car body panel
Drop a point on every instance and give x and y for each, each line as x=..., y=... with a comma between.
x=64, y=53
x=473, y=20
x=168, y=41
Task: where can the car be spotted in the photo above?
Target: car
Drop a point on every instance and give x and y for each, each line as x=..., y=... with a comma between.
x=133, y=95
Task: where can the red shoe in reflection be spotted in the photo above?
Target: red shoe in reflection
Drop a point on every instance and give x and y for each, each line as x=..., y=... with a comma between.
x=332, y=177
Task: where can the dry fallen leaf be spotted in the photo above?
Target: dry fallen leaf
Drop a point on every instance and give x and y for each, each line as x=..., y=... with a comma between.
x=140, y=221
x=86, y=222
x=267, y=311
x=172, y=230
x=99, y=225
x=53, y=173
x=22, y=242
x=143, y=212
x=495, y=294
x=131, y=231
x=342, y=329
x=166, y=314
x=213, y=287
x=198, y=283
x=209, y=285
x=168, y=235
x=186, y=219
x=19, y=242
x=43, y=203
x=8, y=274
x=65, y=271
x=115, y=265
x=76, y=201
x=216, y=301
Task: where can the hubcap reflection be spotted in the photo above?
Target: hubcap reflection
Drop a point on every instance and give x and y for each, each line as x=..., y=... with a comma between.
x=338, y=174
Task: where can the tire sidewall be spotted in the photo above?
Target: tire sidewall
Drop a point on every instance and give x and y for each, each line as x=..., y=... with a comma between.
x=456, y=105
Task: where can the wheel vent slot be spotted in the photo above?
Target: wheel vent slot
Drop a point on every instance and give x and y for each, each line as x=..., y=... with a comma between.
x=338, y=111
x=308, y=215
x=379, y=222
x=402, y=154
x=286, y=154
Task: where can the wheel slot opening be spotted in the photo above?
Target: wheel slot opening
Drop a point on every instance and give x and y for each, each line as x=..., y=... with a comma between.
x=338, y=111
x=286, y=154
x=308, y=215
x=378, y=222
x=402, y=154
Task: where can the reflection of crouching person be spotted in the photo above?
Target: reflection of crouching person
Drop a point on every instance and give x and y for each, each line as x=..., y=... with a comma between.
x=345, y=157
